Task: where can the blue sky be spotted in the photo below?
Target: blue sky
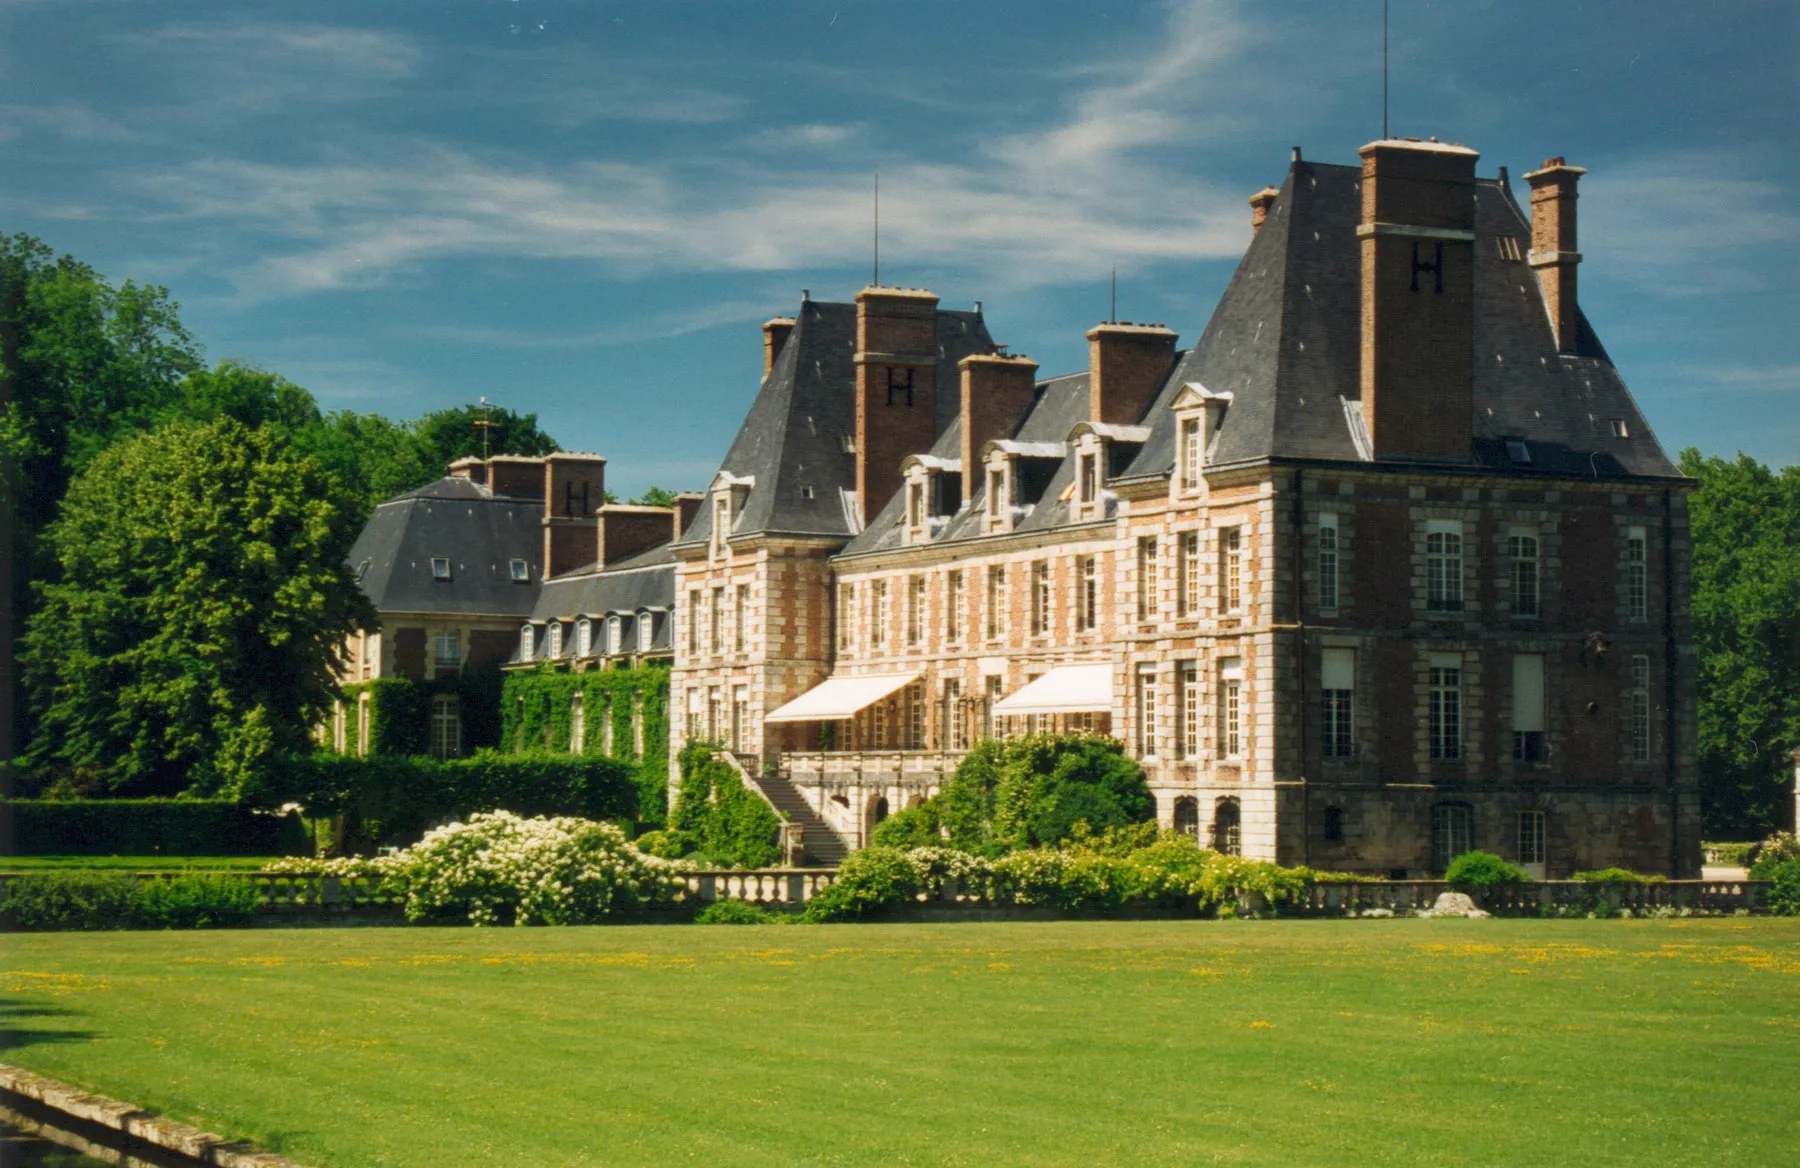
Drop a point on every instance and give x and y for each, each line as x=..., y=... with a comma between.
x=586, y=210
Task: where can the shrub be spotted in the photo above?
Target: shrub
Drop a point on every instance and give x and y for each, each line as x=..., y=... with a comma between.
x=1098, y=883
x=732, y=824
x=150, y=827
x=1473, y=871
x=197, y=902
x=938, y=865
x=869, y=882
x=915, y=827
x=1783, y=895
x=1731, y=854
x=499, y=867
x=1033, y=876
x=1616, y=875
x=668, y=844
x=1776, y=850
x=737, y=912
x=1039, y=790
x=47, y=901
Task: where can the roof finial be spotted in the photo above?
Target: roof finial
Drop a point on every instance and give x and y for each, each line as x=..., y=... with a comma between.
x=876, y=282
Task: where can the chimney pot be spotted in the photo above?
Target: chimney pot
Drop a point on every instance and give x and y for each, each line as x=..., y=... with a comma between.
x=775, y=335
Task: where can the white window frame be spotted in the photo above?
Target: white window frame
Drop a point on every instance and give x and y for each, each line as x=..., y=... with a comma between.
x=1231, y=709
x=915, y=609
x=1638, y=708
x=996, y=602
x=446, y=726
x=953, y=606
x=1231, y=569
x=1192, y=432
x=1530, y=839
x=1337, y=703
x=555, y=646
x=527, y=642
x=1637, y=575
x=584, y=637
x=1187, y=709
x=1187, y=568
x=1525, y=548
x=646, y=631
x=577, y=724
x=1529, y=701
x=878, y=614
x=1145, y=707
x=440, y=639
x=1087, y=593
x=1444, y=714
x=740, y=617
x=1146, y=578
x=1328, y=563
x=1444, y=565
x=1040, y=598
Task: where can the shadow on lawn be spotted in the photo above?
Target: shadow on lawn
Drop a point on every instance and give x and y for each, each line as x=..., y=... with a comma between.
x=13, y=1037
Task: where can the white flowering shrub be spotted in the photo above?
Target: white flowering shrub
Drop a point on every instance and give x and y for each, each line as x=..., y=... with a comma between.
x=500, y=867
x=974, y=875
x=341, y=866
x=1031, y=877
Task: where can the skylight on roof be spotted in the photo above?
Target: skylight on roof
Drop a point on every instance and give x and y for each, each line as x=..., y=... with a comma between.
x=1620, y=429
x=362, y=570
x=521, y=571
x=440, y=567
x=1516, y=451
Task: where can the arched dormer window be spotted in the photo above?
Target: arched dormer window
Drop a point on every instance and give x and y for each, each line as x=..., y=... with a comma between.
x=527, y=642
x=615, y=635
x=1199, y=414
x=584, y=637
x=646, y=631
x=556, y=640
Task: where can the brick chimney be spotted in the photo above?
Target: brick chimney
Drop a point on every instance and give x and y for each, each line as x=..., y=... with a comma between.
x=574, y=487
x=1260, y=203
x=1127, y=364
x=625, y=529
x=687, y=505
x=996, y=391
x=1553, y=251
x=896, y=387
x=517, y=476
x=1418, y=252
x=470, y=468
x=775, y=335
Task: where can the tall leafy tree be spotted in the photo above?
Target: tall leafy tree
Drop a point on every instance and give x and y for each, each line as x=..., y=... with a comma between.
x=189, y=636
x=447, y=435
x=1746, y=560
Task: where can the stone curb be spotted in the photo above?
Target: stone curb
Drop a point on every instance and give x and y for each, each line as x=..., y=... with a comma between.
x=202, y=1147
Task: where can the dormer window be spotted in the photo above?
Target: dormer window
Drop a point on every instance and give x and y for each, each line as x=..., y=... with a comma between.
x=556, y=638
x=521, y=572
x=1090, y=479
x=996, y=497
x=527, y=642
x=646, y=631
x=440, y=567
x=915, y=505
x=721, y=523
x=1191, y=453
x=362, y=570
x=1199, y=415
x=1516, y=451
x=584, y=637
x=615, y=635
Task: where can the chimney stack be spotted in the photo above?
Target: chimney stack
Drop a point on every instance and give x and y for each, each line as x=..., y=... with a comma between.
x=1418, y=253
x=625, y=529
x=1260, y=203
x=470, y=468
x=574, y=487
x=1553, y=251
x=775, y=335
x=1127, y=364
x=996, y=391
x=687, y=505
x=896, y=387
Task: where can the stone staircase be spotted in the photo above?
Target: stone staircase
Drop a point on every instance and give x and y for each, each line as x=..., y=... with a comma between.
x=824, y=847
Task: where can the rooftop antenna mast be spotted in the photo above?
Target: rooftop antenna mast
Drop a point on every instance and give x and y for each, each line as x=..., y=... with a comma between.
x=485, y=426
x=877, y=280
x=1114, y=317
x=1384, y=69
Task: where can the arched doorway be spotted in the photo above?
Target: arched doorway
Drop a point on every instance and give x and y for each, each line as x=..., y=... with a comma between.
x=874, y=811
x=1228, y=834
x=1187, y=816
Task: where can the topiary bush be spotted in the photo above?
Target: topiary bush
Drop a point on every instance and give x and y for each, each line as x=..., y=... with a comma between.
x=1616, y=875
x=737, y=912
x=1478, y=870
x=54, y=901
x=869, y=883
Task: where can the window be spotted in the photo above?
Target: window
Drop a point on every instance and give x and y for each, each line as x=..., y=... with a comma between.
x=740, y=715
x=521, y=572
x=577, y=726
x=1337, y=689
x=446, y=726
x=956, y=716
x=721, y=524
x=1639, y=707
x=693, y=622
x=1522, y=548
x=953, y=605
x=364, y=713
x=1228, y=828
x=1518, y=452
x=646, y=631
x=615, y=635
x=606, y=720
x=1443, y=566
x=584, y=637
x=695, y=720
x=996, y=686
x=1528, y=707
x=740, y=614
x=714, y=714
x=846, y=603
x=1445, y=698
x=915, y=716
x=1636, y=581
x=338, y=725
x=1087, y=594
x=1146, y=581
x=717, y=630
x=1452, y=832
x=996, y=494
x=555, y=648
x=1231, y=567
x=1334, y=825
x=1619, y=428
x=1187, y=816
x=1187, y=571
x=1090, y=478
x=1231, y=707
x=915, y=609
x=1328, y=562
x=1531, y=837
x=1146, y=711
x=878, y=614
x=879, y=723
x=440, y=568
x=1187, y=708
x=527, y=643
x=1190, y=453
x=637, y=723
x=915, y=505
x=446, y=650
x=996, y=601
x=1040, y=597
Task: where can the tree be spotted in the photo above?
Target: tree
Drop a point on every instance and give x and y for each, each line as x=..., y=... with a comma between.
x=253, y=396
x=655, y=497
x=372, y=457
x=1024, y=792
x=1745, y=523
x=202, y=600
x=447, y=435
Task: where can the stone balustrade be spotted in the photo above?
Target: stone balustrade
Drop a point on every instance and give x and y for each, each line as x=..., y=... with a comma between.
x=911, y=770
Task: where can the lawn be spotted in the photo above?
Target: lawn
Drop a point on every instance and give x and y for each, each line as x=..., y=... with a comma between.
x=1141, y=1043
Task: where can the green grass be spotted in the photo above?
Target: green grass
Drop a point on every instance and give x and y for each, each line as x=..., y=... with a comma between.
x=1153, y=1043
x=135, y=863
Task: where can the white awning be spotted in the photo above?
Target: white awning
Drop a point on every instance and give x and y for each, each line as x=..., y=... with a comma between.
x=1067, y=689
x=841, y=697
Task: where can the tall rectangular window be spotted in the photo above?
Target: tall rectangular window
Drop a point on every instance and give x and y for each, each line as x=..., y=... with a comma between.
x=1040, y=597
x=740, y=617
x=1637, y=590
x=693, y=622
x=996, y=494
x=1146, y=578
x=915, y=609
x=1187, y=571
x=646, y=631
x=845, y=611
x=1328, y=562
x=1146, y=711
x=879, y=722
x=1445, y=705
x=1190, y=453
x=1090, y=478
x=740, y=715
x=1531, y=837
x=637, y=723
x=953, y=605
x=878, y=613
x=446, y=650
x=717, y=621
x=915, y=716
x=915, y=505
x=1231, y=569
x=1231, y=707
x=714, y=713
x=996, y=687
x=1444, y=566
x=606, y=721
x=1640, y=708
x=1187, y=708
x=446, y=726
x=577, y=725
x=996, y=601
x=1337, y=690
x=1087, y=594
x=956, y=716
x=721, y=524
x=1528, y=707
x=1522, y=549
x=1452, y=832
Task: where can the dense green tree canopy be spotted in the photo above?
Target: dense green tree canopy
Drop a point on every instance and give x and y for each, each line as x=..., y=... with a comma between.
x=1746, y=560
x=190, y=633
x=447, y=435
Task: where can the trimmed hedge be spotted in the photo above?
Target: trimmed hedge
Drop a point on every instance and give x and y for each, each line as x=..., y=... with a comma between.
x=535, y=707
x=396, y=799
x=58, y=901
x=148, y=827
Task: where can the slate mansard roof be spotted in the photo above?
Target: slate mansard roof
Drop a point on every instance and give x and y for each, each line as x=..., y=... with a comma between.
x=792, y=444
x=480, y=533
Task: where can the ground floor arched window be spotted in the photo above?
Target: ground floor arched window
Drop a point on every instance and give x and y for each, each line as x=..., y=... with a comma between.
x=1228, y=829
x=1187, y=816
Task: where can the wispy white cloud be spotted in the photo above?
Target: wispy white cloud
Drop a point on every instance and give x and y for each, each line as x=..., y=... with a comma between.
x=71, y=121
x=652, y=327
x=1747, y=379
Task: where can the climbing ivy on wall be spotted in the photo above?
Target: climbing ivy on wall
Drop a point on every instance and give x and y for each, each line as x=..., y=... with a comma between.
x=536, y=708
x=400, y=712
